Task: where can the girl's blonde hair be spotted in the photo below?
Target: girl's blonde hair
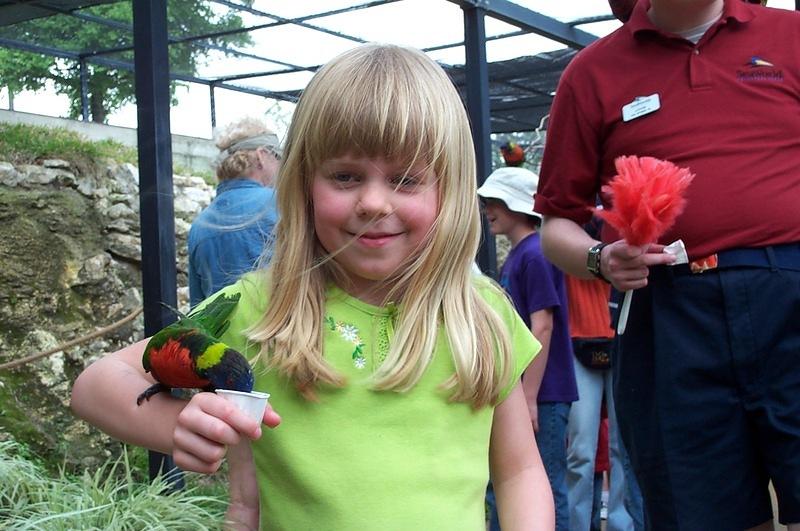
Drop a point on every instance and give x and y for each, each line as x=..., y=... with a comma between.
x=236, y=164
x=396, y=103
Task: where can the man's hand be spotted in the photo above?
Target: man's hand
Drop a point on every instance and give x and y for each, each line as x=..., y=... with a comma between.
x=627, y=266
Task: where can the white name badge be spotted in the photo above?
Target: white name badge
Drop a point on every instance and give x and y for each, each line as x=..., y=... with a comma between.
x=640, y=106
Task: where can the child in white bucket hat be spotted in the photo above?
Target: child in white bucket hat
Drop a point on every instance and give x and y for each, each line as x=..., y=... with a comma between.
x=515, y=187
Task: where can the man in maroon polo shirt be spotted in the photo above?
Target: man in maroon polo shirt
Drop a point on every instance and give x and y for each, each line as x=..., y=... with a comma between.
x=708, y=370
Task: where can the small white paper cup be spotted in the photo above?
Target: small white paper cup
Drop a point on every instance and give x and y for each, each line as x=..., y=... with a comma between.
x=253, y=404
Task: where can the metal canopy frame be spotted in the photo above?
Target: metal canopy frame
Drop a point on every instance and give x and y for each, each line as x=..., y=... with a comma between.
x=12, y=11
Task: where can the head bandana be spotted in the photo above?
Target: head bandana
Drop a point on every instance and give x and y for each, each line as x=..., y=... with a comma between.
x=268, y=141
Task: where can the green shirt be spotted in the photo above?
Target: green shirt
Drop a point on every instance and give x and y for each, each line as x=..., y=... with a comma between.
x=359, y=459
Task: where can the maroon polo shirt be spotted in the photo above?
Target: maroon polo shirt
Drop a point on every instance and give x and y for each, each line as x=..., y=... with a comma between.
x=729, y=110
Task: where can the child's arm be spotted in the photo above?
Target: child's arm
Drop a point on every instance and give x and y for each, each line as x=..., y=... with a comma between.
x=524, y=498
x=243, y=511
x=542, y=329
x=195, y=433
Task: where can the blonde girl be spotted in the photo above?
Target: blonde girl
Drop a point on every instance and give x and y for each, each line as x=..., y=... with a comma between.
x=395, y=369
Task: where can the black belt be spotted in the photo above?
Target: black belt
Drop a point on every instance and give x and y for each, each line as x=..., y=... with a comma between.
x=783, y=256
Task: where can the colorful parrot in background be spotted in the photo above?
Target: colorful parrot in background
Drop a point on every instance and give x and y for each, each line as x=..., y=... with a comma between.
x=513, y=154
x=187, y=353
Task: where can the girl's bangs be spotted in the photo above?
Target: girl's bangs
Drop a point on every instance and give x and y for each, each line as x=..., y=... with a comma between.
x=386, y=114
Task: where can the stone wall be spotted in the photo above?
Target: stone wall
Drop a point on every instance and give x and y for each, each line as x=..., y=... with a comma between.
x=70, y=263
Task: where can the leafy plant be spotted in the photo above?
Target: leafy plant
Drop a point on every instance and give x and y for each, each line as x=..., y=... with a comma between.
x=109, y=498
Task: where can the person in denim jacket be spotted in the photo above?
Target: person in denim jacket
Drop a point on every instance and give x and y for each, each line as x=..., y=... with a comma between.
x=228, y=237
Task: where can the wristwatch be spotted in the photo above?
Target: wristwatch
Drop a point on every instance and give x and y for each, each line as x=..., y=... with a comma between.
x=593, y=260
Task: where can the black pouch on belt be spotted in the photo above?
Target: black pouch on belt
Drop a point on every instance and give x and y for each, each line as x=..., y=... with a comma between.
x=593, y=353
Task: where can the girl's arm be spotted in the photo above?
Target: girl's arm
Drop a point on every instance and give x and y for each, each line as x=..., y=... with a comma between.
x=195, y=433
x=243, y=511
x=524, y=498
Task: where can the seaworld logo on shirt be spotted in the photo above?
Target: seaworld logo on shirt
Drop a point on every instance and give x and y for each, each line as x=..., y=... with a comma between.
x=756, y=61
x=760, y=70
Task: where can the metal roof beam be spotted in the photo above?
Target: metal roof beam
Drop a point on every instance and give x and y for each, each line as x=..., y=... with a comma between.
x=82, y=16
x=524, y=18
x=358, y=7
x=127, y=27
x=251, y=28
x=123, y=65
x=294, y=21
x=520, y=104
x=223, y=79
x=37, y=48
x=590, y=20
x=487, y=39
x=10, y=14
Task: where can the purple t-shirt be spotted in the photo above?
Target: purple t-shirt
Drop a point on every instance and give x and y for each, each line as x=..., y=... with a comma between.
x=535, y=284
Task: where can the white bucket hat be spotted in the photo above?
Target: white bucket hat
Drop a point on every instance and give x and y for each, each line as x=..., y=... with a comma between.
x=513, y=186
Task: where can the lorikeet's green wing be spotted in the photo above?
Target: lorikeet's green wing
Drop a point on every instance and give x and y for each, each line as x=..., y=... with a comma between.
x=213, y=318
x=173, y=331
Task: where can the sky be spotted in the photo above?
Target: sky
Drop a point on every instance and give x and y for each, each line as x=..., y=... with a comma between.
x=419, y=23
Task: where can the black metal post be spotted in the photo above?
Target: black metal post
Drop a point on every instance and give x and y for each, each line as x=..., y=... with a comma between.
x=213, y=103
x=159, y=282
x=84, y=90
x=477, y=88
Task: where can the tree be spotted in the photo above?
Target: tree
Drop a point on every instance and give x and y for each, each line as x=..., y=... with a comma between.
x=17, y=78
x=108, y=88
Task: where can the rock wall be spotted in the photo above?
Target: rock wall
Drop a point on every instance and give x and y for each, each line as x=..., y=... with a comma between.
x=70, y=263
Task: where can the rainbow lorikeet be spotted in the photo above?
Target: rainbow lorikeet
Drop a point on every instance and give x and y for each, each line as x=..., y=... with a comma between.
x=513, y=154
x=187, y=353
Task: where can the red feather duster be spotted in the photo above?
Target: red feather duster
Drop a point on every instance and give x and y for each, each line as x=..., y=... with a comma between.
x=647, y=195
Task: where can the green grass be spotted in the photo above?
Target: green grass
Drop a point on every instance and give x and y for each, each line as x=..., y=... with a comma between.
x=29, y=144
x=107, y=499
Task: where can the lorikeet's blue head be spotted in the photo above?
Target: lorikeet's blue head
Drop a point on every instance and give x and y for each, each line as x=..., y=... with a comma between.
x=232, y=372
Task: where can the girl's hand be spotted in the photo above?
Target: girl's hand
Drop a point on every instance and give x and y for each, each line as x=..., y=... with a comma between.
x=206, y=426
x=627, y=266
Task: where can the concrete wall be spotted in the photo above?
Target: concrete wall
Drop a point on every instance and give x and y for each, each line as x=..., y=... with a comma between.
x=190, y=152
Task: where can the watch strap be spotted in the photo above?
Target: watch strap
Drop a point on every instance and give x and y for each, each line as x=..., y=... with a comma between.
x=593, y=260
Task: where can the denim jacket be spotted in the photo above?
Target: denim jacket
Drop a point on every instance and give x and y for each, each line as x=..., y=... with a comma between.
x=227, y=238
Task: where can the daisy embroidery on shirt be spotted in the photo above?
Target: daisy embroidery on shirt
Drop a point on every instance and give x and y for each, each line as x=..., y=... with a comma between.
x=349, y=333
